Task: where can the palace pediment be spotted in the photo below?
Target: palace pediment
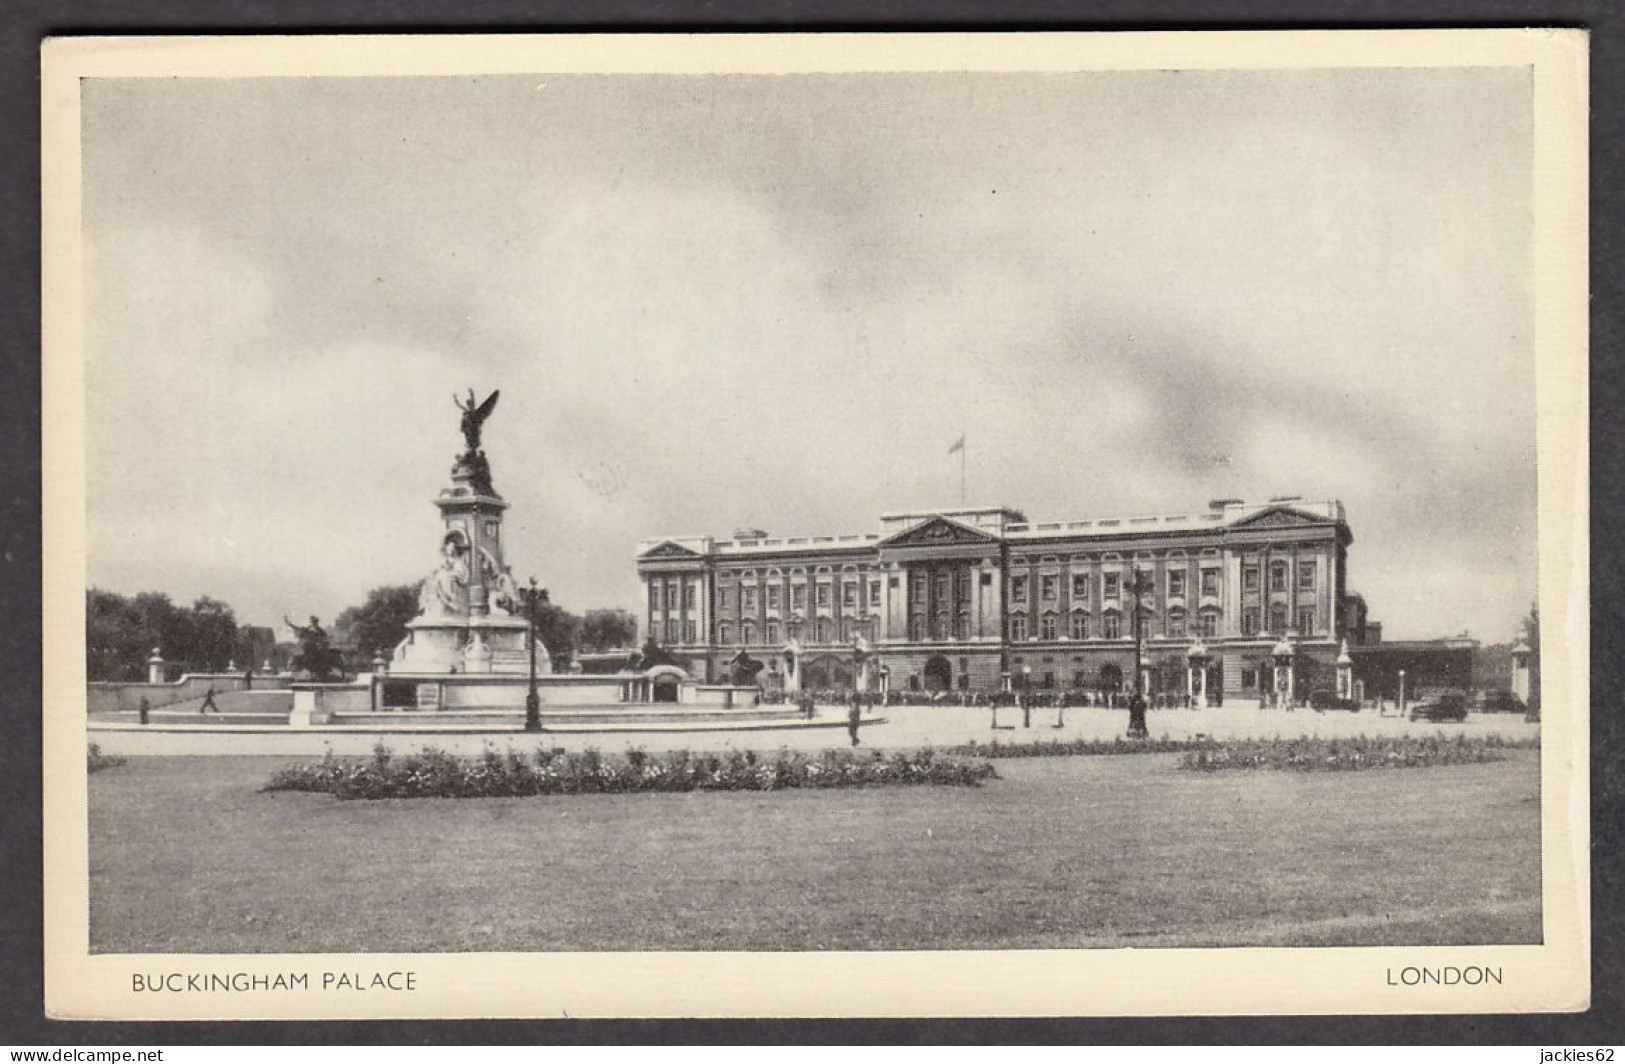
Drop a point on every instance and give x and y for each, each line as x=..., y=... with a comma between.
x=669, y=549
x=1280, y=517
x=938, y=532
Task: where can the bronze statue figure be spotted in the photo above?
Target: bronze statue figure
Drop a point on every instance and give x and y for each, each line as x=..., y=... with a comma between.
x=317, y=657
x=474, y=416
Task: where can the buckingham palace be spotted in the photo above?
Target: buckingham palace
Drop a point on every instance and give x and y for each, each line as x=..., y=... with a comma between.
x=1235, y=599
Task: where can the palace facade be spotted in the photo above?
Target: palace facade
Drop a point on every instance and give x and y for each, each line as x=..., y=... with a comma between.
x=1239, y=598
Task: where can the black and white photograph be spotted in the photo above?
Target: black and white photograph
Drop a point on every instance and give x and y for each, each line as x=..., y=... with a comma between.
x=1006, y=524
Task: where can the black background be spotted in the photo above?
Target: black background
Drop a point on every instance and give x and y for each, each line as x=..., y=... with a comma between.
x=24, y=25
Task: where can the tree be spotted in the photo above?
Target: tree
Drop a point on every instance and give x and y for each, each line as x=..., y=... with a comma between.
x=121, y=633
x=608, y=630
x=378, y=625
x=558, y=630
x=211, y=636
x=117, y=638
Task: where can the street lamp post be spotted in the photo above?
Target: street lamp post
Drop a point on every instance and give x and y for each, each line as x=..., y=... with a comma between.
x=534, y=596
x=1138, y=585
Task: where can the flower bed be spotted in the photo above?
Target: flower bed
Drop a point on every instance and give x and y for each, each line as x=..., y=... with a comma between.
x=1081, y=747
x=95, y=760
x=436, y=774
x=1361, y=752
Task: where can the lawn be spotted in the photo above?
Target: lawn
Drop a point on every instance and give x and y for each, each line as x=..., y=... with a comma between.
x=187, y=855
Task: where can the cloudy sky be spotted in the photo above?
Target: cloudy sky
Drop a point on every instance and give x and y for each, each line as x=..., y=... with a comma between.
x=723, y=301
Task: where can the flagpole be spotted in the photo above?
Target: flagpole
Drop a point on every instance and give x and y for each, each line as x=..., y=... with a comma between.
x=962, y=471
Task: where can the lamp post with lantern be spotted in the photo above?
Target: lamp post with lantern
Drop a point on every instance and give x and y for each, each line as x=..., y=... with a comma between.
x=534, y=597
x=1138, y=584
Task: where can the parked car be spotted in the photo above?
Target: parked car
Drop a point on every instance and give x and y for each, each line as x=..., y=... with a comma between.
x=1501, y=701
x=1330, y=700
x=1449, y=706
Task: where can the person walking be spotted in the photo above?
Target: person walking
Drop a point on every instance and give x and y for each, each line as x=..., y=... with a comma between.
x=852, y=716
x=208, y=702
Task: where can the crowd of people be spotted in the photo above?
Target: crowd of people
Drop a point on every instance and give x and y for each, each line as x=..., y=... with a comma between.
x=1036, y=698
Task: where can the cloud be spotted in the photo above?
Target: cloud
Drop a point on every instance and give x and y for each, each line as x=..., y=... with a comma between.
x=720, y=301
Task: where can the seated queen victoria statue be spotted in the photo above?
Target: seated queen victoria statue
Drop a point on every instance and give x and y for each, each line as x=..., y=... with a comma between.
x=445, y=591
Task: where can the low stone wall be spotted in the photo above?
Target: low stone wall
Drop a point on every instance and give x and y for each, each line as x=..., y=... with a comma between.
x=106, y=697
x=722, y=696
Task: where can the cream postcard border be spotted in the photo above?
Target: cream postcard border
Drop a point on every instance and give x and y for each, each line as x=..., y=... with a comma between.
x=1554, y=976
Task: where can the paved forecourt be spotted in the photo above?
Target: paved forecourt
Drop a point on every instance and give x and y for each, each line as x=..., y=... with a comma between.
x=892, y=727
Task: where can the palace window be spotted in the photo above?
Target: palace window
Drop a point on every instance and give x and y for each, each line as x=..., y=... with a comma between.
x=1111, y=626
x=747, y=600
x=1249, y=578
x=874, y=591
x=916, y=627
x=1018, y=629
x=1080, y=626
x=1046, y=626
x=772, y=632
x=772, y=598
x=798, y=596
x=1112, y=580
x=823, y=630
x=1210, y=583
x=747, y=633
x=793, y=629
x=1080, y=587
x=1306, y=620
x=1306, y=575
x=961, y=583
x=689, y=631
x=849, y=595
x=1278, y=576
x=822, y=596
x=671, y=631
x=987, y=579
x=688, y=594
x=1249, y=621
x=724, y=633
x=1176, y=583
x=1018, y=589
x=1278, y=619
x=917, y=589
x=654, y=598
x=1176, y=625
x=940, y=630
x=1210, y=625
x=962, y=625
x=1049, y=587
x=942, y=586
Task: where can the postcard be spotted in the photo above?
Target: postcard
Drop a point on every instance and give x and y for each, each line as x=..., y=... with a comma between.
x=779, y=525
